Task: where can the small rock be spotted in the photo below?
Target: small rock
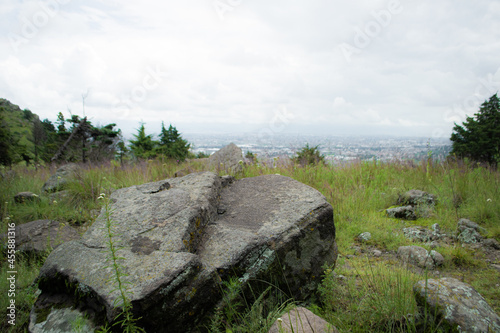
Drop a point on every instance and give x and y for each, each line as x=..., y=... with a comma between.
x=301, y=320
x=229, y=158
x=418, y=256
x=40, y=235
x=436, y=228
x=418, y=234
x=377, y=253
x=491, y=243
x=467, y=224
x=23, y=197
x=469, y=236
x=405, y=213
x=437, y=257
x=58, y=181
x=61, y=320
x=364, y=237
x=417, y=197
x=462, y=308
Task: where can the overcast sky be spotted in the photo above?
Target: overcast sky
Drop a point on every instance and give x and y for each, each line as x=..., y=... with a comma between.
x=316, y=67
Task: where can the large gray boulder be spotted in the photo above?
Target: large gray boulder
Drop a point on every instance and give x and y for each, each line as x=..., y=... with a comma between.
x=181, y=238
x=59, y=180
x=460, y=306
x=228, y=159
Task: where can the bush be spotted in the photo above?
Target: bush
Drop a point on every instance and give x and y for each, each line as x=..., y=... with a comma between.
x=309, y=156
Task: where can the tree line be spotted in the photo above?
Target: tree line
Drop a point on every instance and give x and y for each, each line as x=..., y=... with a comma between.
x=24, y=137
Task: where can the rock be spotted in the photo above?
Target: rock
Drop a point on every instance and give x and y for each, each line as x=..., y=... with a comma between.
x=59, y=180
x=229, y=159
x=301, y=320
x=460, y=306
x=62, y=321
x=405, y=212
x=42, y=235
x=470, y=236
x=491, y=243
x=181, y=238
x=437, y=257
x=364, y=237
x=464, y=224
x=376, y=253
x=420, y=257
x=421, y=234
x=416, y=198
x=436, y=229
x=23, y=197
x=468, y=232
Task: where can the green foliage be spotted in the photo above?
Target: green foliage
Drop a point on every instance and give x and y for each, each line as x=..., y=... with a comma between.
x=479, y=137
x=143, y=146
x=171, y=144
x=15, y=134
x=125, y=319
x=236, y=314
x=370, y=297
x=309, y=156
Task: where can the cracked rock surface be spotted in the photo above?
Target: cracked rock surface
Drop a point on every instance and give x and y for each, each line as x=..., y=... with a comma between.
x=180, y=239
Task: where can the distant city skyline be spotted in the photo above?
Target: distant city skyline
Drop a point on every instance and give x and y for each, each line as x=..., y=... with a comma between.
x=384, y=67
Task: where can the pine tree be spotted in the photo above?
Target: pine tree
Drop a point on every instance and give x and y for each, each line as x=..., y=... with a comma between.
x=171, y=144
x=143, y=146
x=479, y=137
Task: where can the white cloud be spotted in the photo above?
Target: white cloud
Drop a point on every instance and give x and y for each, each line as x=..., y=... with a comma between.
x=262, y=56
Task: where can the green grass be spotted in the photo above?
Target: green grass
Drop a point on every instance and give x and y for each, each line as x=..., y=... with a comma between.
x=359, y=193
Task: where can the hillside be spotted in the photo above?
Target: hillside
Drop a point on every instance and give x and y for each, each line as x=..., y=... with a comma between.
x=368, y=290
x=20, y=125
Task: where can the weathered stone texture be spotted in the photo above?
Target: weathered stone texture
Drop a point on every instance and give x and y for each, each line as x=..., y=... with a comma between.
x=181, y=238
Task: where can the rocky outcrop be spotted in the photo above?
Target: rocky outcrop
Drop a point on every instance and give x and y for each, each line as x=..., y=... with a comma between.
x=58, y=181
x=460, y=307
x=43, y=235
x=228, y=159
x=181, y=238
x=301, y=320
